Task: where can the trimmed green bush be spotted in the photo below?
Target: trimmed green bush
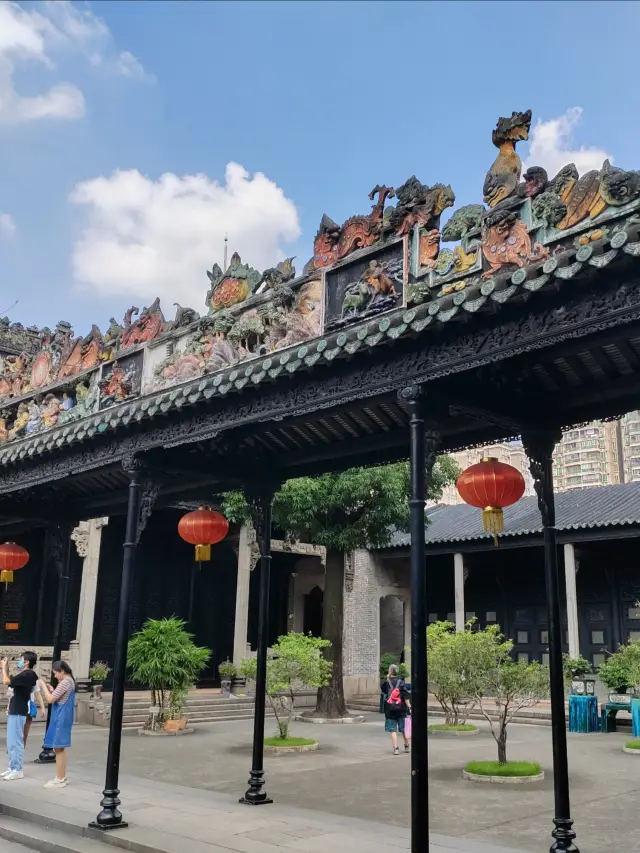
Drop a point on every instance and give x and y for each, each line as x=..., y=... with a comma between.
x=460, y=727
x=288, y=741
x=511, y=768
x=632, y=744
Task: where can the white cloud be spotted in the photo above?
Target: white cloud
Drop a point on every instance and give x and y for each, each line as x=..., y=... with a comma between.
x=128, y=65
x=144, y=238
x=37, y=35
x=7, y=225
x=550, y=145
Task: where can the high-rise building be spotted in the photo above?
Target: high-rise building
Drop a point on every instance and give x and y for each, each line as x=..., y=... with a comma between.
x=510, y=452
x=589, y=455
x=596, y=454
x=630, y=433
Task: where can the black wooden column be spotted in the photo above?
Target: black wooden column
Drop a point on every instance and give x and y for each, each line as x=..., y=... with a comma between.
x=260, y=499
x=539, y=447
x=143, y=492
x=57, y=551
x=424, y=441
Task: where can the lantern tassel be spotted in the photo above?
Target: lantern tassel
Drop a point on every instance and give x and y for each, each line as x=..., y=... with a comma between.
x=203, y=553
x=493, y=521
x=6, y=577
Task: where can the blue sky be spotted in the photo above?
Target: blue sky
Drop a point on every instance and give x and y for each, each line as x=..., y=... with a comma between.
x=323, y=99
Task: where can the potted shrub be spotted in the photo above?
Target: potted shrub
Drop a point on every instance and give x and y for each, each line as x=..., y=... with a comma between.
x=98, y=675
x=614, y=674
x=578, y=676
x=227, y=672
x=163, y=657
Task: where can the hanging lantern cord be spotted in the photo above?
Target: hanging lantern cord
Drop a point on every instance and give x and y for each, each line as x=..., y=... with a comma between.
x=493, y=521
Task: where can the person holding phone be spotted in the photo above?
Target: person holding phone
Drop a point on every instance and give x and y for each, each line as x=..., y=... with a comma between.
x=22, y=685
x=62, y=701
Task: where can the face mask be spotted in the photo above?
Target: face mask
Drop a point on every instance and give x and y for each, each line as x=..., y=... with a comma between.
x=20, y=664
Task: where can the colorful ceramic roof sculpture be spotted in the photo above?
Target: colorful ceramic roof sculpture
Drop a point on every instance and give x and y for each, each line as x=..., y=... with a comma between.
x=377, y=279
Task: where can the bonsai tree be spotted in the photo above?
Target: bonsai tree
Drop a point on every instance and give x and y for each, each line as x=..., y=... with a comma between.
x=574, y=668
x=631, y=655
x=99, y=672
x=296, y=663
x=502, y=686
x=163, y=657
x=613, y=673
x=452, y=659
x=621, y=669
x=227, y=670
x=358, y=508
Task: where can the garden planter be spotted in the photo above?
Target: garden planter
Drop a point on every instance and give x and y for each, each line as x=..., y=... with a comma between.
x=620, y=697
x=84, y=685
x=442, y=732
x=503, y=780
x=175, y=725
x=97, y=690
x=284, y=750
x=583, y=685
x=225, y=686
x=238, y=685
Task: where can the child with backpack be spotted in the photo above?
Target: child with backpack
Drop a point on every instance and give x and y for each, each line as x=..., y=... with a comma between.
x=396, y=707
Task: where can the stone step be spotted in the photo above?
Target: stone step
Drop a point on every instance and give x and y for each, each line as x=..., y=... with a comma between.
x=138, y=722
x=214, y=706
x=196, y=701
x=46, y=839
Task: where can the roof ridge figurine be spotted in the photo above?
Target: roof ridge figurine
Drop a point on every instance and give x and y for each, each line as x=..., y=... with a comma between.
x=503, y=177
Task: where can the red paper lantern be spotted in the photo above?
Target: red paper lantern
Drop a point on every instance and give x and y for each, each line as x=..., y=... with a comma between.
x=203, y=528
x=12, y=558
x=491, y=485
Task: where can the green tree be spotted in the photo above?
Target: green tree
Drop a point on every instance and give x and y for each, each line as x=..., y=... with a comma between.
x=452, y=658
x=296, y=663
x=501, y=687
x=163, y=657
x=358, y=508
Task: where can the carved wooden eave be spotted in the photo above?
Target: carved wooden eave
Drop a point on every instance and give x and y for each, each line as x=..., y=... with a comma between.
x=551, y=339
x=571, y=274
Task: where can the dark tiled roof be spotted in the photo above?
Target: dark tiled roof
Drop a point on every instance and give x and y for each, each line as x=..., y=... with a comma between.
x=480, y=296
x=577, y=509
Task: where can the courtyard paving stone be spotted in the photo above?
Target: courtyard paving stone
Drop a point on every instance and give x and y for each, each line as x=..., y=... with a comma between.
x=352, y=787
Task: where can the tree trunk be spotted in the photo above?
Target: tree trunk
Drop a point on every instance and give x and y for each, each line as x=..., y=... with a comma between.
x=331, y=698
x=502, y=746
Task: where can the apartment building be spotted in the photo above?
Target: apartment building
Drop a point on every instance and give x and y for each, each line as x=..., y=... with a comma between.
x=591, y=455
x=597, y=454
x=630, y=433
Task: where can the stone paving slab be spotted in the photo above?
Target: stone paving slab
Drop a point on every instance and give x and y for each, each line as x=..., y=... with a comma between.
x=174, y=819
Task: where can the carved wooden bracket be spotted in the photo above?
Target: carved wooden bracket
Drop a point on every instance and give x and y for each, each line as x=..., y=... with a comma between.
x=80, y=534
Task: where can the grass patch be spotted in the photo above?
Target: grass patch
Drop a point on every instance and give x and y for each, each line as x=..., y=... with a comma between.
x=632, y=744
x=289, y=741
x=511, y=768
x=443, y=727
